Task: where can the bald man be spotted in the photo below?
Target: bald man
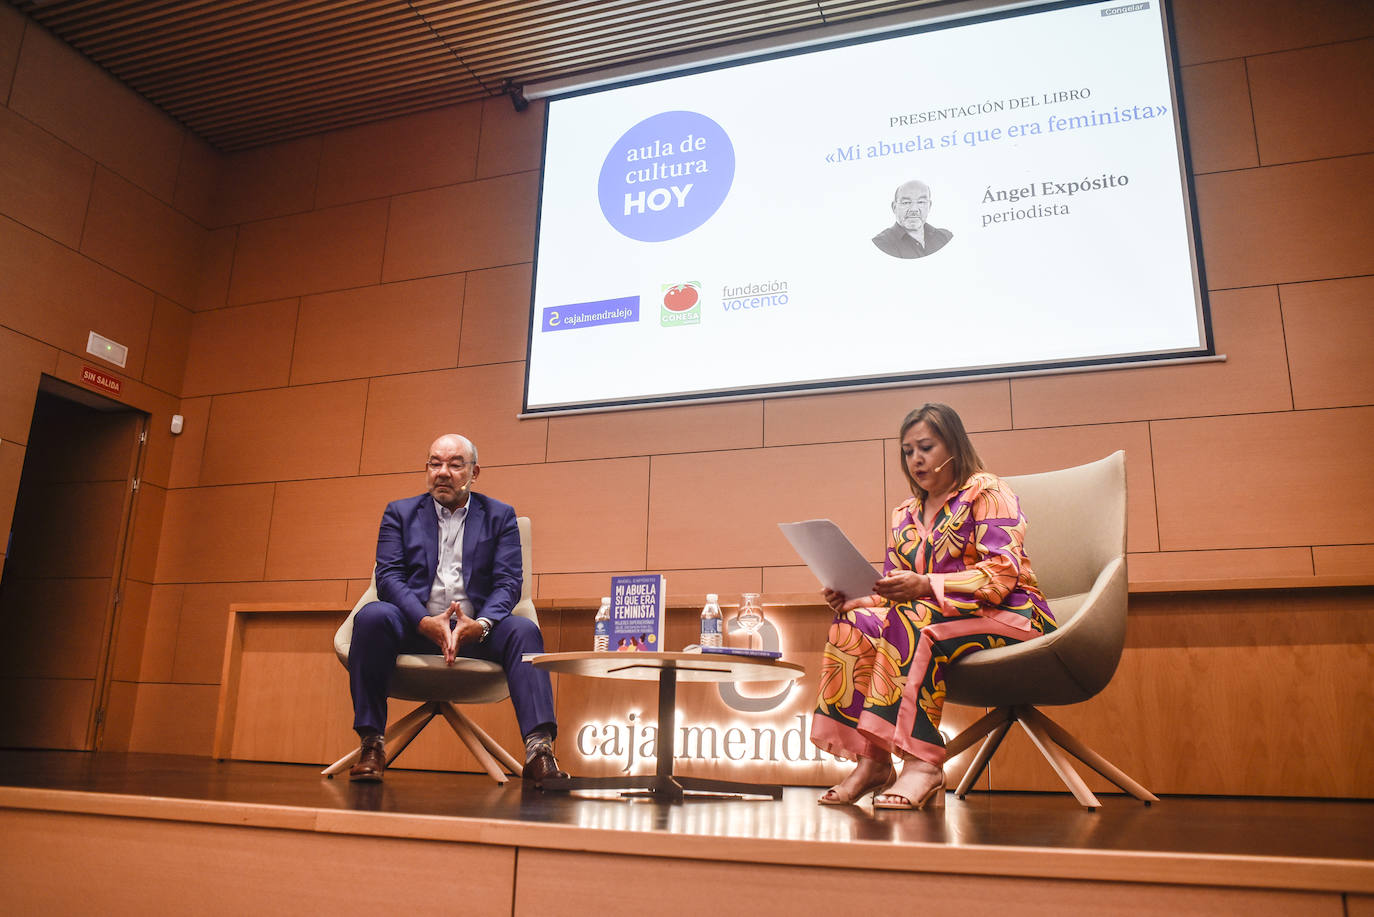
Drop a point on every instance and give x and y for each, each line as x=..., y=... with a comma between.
x=911, y=236
x=448, y=574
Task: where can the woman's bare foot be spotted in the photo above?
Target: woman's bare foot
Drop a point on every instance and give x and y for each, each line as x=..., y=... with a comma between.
x=869, y=774
x=919, y=784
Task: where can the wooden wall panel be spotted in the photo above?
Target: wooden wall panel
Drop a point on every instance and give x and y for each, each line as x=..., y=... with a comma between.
x=1320, y=226
x=58, y=296
x=1208, y=682
x=44, y=182
x=1235, y=564
x=172, y=719
x=474, y=225
x=1033, y=451
x=133, y=866
x=280, y=434
x=144, y=239
x=159, y=635
x=217, y=264
x=119, y=716
x=791, y=580
x=130, y=630
x=24, y=359
x=198, y=653
x=1221, y=133
x=725, y=581
x=327, y=528
x=146, y=532
x=721, y=509
x=1327, y=327
x=372, y=331
x=878, y=414
x=1343, y=559
x=333, y=249
x=512, y=141
x=222, y=339
x=168, y=343
x=62, y=92
x=578, y=525
x=1263, y=480
x=198, y=178
x=411, y=153
x=406, y=413
x=496, y=315
x=657, y=431
x=12, y=24
x=1249, y=330
x=266, y=183
x=215, y=534
x=189, y=446
x=1219, y=29
x=1298, y=116
x=548, y=879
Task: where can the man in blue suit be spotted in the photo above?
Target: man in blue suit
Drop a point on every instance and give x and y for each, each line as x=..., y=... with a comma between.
x=448, y=575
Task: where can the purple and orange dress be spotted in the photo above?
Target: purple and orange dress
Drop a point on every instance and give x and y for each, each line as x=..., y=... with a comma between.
x=882, y=685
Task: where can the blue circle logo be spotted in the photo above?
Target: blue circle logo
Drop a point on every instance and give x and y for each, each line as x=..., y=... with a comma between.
x=666, y=176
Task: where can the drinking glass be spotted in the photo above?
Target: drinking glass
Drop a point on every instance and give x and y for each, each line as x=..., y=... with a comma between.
x=749, y=618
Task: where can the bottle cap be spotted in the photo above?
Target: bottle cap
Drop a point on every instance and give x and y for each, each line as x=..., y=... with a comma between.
x=712, y=597
x=605, y=600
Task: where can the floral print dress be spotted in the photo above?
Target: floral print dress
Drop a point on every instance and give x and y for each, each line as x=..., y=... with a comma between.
x=882, y=685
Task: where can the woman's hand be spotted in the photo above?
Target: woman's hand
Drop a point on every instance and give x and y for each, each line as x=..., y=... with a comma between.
x=904, y=586
x=834, y=599
x=838, y=603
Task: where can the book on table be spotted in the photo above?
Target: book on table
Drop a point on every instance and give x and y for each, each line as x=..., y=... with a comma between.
x=637, y=612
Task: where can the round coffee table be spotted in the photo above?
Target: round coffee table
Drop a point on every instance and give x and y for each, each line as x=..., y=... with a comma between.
x=668, y=669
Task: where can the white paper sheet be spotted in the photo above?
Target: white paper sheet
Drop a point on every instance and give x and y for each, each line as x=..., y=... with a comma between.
x=831, y=556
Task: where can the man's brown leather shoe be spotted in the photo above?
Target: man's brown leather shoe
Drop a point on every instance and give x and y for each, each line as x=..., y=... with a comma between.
x=372, y=761
x=541, y=767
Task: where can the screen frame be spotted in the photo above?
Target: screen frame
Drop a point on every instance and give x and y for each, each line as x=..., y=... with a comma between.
x=910, y=23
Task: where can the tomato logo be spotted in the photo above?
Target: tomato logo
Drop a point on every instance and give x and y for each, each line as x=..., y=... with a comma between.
x=681, y=296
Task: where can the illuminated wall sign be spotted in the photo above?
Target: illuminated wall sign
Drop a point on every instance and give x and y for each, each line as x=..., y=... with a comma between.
x=634, y=741
x=101, y=380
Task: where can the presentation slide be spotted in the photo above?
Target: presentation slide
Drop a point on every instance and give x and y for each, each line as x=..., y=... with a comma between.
x=980, y=196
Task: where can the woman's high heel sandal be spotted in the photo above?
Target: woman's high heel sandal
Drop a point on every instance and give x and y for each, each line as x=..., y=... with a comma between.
x=934, y=798
x=834, y=797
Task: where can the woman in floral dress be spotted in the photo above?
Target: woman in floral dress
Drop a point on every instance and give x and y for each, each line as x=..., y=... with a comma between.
x=956, y=580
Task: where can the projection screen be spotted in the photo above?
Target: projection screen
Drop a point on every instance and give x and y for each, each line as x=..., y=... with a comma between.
x=1002, y=193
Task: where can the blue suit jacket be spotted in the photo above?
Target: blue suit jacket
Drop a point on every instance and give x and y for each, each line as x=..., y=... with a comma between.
x=408, y=554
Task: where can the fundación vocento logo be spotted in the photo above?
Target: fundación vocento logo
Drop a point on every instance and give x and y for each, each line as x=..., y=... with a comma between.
x=681, y=304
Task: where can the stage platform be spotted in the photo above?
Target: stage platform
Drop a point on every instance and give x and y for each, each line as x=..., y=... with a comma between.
x=125, y=833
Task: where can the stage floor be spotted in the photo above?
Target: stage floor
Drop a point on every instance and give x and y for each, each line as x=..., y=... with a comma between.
x=1208, y=827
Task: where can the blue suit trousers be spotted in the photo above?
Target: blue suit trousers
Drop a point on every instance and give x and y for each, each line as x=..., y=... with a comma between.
x=381, y=633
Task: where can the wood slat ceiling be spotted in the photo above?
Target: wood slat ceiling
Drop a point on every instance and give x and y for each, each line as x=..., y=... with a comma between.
x=242, y=73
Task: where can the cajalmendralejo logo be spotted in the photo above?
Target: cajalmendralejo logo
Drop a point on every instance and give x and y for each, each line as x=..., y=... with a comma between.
x=681, y=304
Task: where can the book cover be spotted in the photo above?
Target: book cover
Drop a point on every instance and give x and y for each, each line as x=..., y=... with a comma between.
x=637, y=607
x=741, y=651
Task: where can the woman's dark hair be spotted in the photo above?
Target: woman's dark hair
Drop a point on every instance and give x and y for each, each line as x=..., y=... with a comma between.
x=944, y=422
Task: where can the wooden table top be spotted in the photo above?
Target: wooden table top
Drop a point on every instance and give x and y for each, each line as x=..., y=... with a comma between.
x=707, y=667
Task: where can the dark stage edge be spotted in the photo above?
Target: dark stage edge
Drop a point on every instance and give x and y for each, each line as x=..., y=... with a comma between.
x=1297, y=844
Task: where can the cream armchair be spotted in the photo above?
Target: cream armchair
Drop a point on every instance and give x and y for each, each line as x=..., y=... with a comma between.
x=1076, y=540
x=441, y=688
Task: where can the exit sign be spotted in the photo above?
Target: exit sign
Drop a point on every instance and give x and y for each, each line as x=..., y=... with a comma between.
x=101, y=380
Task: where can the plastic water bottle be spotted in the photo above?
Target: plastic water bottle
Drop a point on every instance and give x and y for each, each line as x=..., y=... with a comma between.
x=602, y=642
x=711, y=621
